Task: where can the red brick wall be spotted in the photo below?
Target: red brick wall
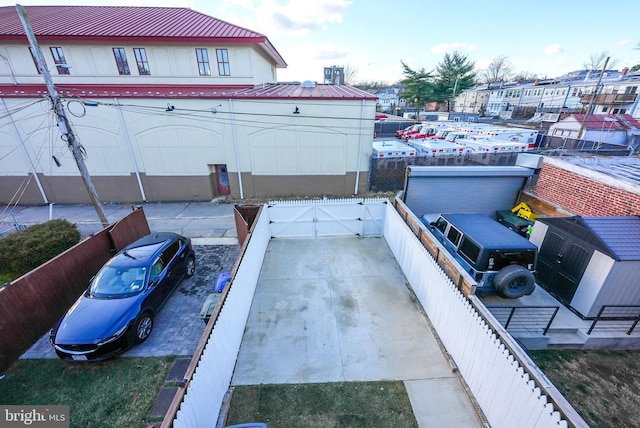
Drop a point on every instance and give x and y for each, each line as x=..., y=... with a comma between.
x=584, y=195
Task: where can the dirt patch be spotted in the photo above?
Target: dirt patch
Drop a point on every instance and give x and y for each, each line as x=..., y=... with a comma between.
x=603, y=386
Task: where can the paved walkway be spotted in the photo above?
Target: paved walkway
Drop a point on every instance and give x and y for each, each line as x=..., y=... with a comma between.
x=207, y=220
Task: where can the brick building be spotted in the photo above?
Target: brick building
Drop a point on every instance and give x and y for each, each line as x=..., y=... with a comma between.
x=591, y=186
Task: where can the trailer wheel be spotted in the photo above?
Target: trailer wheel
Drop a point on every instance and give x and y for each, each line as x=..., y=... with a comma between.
x=514, y=281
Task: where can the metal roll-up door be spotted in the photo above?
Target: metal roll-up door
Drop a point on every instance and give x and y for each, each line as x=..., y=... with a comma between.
x=464, y=189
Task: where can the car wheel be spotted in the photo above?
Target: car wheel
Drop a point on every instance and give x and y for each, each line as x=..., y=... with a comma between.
x=514, y=281
x=142, y=327
x=190, y=266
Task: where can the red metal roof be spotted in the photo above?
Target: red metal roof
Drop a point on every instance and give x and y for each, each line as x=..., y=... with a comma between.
x=274, y=91
x=115, y=23
x=614, y=122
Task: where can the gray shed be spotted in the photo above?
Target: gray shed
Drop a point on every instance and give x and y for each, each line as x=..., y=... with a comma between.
x=588, y=262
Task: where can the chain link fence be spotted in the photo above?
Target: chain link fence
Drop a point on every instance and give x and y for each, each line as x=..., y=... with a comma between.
x=388, y=174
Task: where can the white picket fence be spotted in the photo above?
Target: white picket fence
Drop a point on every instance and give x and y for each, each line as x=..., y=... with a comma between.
x=509, y=388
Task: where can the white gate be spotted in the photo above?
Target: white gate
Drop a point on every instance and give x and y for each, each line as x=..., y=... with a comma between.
x=326, y=217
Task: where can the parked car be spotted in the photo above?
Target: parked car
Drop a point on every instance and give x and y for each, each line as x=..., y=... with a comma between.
x=117, y=310
x=400, y=132
x=499, y=259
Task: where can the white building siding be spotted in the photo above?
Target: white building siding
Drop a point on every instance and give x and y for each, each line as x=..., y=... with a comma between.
x=168, y=65
x=592, y=281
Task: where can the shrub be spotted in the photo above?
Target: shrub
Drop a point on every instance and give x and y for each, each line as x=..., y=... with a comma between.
x=23, y=251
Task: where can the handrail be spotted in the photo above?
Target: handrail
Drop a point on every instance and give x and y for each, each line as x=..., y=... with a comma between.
x=599, y=317
x=513, y=309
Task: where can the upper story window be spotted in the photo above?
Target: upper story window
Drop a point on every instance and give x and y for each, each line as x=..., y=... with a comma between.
x=203, y=62
x=142, y=61
x=35, y=61
x=121, y=61
x=223, y=62
x=58, y=58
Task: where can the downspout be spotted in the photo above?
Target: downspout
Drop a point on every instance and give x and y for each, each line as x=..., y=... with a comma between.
x=16, y=134
x=125, y=130
x=235, y=146
x=355, y=192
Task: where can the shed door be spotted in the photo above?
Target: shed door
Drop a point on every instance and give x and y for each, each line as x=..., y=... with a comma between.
x=561, y=264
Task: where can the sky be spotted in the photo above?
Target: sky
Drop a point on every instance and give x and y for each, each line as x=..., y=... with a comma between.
x=372, y=37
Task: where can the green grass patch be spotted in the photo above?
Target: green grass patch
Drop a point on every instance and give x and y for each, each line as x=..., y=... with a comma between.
x=113, y=393
x=601, y=385
x=343, y=404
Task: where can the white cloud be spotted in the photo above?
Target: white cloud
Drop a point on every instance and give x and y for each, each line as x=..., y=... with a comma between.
x=482, y=64
x=623, y=42
x=292, y=17
x=553, y=49
x=447, y=47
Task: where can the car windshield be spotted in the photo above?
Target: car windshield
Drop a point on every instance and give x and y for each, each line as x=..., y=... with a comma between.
x=118, y=282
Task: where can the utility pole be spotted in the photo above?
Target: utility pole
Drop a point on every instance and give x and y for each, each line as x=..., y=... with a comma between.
x=63, y=122
x=592, y=100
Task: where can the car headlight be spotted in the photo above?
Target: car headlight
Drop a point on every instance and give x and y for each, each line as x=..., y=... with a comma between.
x=114, y=336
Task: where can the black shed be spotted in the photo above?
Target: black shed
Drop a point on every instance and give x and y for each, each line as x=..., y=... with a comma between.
x=588, y=262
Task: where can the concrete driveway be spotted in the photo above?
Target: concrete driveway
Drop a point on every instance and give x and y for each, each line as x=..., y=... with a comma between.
x=338, y=310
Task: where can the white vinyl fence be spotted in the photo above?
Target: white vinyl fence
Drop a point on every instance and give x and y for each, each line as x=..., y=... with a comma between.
x=509, y=388
x=210, y=382
x=327, y=217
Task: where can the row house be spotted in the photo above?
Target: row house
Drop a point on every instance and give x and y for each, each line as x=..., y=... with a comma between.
x=472, y=100
x=169, y=104
x=548, y=100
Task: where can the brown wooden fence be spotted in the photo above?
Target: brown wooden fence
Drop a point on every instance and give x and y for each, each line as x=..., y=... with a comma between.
x=31, y=305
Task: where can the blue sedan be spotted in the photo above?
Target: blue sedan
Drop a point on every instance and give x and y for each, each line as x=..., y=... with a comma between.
x=117, y=310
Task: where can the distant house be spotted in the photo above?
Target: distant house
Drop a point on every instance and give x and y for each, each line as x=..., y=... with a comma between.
x=169, y=104
x=388, y=100
x=603, y=128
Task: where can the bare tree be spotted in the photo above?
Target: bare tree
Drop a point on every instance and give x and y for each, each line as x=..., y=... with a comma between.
x=350, y=74
x=524, y=75
x=596, y=61
x=499, y=70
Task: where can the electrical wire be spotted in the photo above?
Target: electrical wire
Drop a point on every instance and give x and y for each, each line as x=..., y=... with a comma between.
x=248, y=122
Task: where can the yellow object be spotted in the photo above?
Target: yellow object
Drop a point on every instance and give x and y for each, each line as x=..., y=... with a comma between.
x=523, y=210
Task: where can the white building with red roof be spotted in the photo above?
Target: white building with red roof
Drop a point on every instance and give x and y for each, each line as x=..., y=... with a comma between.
x=603, y=128
x=169, y=104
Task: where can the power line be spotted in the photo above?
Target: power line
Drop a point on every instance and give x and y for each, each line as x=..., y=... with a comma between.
x=63, y=123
